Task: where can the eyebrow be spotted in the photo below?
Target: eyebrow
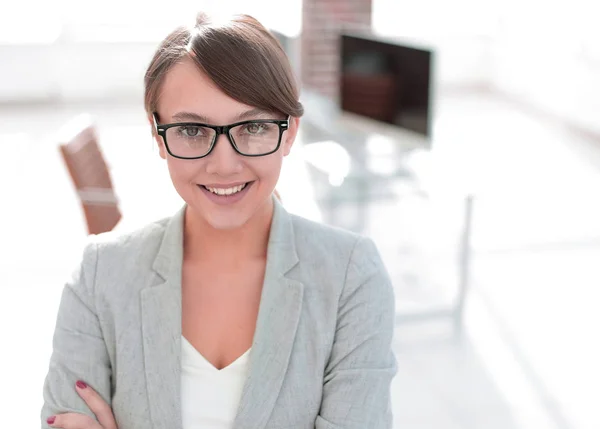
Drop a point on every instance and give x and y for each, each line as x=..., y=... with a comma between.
x=249, y=114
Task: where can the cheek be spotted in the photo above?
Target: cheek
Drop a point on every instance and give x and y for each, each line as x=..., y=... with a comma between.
x=182, y=172
x=269, y=167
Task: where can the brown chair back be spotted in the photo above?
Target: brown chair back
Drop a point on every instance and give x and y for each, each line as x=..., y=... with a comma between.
x=90, y=175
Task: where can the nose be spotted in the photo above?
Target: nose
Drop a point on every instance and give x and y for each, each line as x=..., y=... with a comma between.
x=223, y=160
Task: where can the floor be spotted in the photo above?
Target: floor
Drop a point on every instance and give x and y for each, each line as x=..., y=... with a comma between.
x=521, y=353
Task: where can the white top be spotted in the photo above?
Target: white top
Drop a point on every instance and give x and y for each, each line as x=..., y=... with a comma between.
x=210, y=397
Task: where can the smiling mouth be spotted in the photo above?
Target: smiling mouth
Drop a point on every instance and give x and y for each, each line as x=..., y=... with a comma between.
x=224, y=192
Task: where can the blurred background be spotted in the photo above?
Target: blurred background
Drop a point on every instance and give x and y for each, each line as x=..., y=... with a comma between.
x=463, y=137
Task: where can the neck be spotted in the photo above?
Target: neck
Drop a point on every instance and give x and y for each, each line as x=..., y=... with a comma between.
x=248, y=241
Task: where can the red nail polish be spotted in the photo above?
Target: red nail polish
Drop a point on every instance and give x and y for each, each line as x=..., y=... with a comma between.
x=81, y=384
x=50, y=420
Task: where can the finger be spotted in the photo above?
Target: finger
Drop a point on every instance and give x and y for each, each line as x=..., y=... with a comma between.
x=73, y=421
x=97, y=405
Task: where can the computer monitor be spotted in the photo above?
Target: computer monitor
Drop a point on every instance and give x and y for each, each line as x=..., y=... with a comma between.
x=388, y=81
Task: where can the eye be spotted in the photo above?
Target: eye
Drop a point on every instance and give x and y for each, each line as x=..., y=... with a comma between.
x=255, y=128
x=190, y=131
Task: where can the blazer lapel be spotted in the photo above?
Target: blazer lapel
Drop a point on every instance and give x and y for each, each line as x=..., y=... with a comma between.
x=161, y=328
x=278, y=316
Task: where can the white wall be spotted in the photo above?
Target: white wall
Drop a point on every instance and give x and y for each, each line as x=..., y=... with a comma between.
x=548, y=55
x=73, y=72
x=463, y=62
x=73, y=50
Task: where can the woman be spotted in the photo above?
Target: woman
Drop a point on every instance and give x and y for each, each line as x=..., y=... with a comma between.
x=233, y=313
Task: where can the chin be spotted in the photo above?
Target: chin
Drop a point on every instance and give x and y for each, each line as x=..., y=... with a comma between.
x=225, y=224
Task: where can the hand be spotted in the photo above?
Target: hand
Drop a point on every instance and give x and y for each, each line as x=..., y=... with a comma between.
x=96, y=404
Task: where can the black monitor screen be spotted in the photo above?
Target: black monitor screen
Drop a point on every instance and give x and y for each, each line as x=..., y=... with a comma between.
x=387, y=81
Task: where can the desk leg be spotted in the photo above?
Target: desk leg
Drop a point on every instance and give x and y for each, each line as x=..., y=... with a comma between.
x=465, y=255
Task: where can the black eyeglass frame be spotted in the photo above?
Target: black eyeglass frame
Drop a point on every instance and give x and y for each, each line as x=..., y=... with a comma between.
x=161, y=130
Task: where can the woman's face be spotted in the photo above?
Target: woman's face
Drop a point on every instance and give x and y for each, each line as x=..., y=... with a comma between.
x=186, y=90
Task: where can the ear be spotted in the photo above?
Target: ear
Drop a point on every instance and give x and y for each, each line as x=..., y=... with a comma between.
x=158, y=139
x=289, y=136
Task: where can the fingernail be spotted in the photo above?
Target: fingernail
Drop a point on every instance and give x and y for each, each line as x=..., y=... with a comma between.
x=81, y=384
x=50, y=420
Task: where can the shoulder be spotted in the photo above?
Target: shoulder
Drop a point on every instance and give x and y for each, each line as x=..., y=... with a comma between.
x=340, y=268
x=113, y=260
x=113, y=253
x=331, y=245
x=319, y=237
x=144, y=239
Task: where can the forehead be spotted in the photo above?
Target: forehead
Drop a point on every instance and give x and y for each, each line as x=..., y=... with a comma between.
x=187, y=89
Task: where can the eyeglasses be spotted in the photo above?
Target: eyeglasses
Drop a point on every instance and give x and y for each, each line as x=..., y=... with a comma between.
x=192, y=140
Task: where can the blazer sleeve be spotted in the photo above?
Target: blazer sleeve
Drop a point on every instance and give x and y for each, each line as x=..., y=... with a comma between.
x=78, y=351
x=356, y=386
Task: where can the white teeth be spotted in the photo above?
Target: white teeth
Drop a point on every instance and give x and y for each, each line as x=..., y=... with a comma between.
x=226, y=191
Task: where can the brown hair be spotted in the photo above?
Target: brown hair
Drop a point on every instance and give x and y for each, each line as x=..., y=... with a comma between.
x=240, y=56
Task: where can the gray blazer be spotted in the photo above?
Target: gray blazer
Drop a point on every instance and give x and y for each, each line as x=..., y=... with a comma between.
x=321, y=355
